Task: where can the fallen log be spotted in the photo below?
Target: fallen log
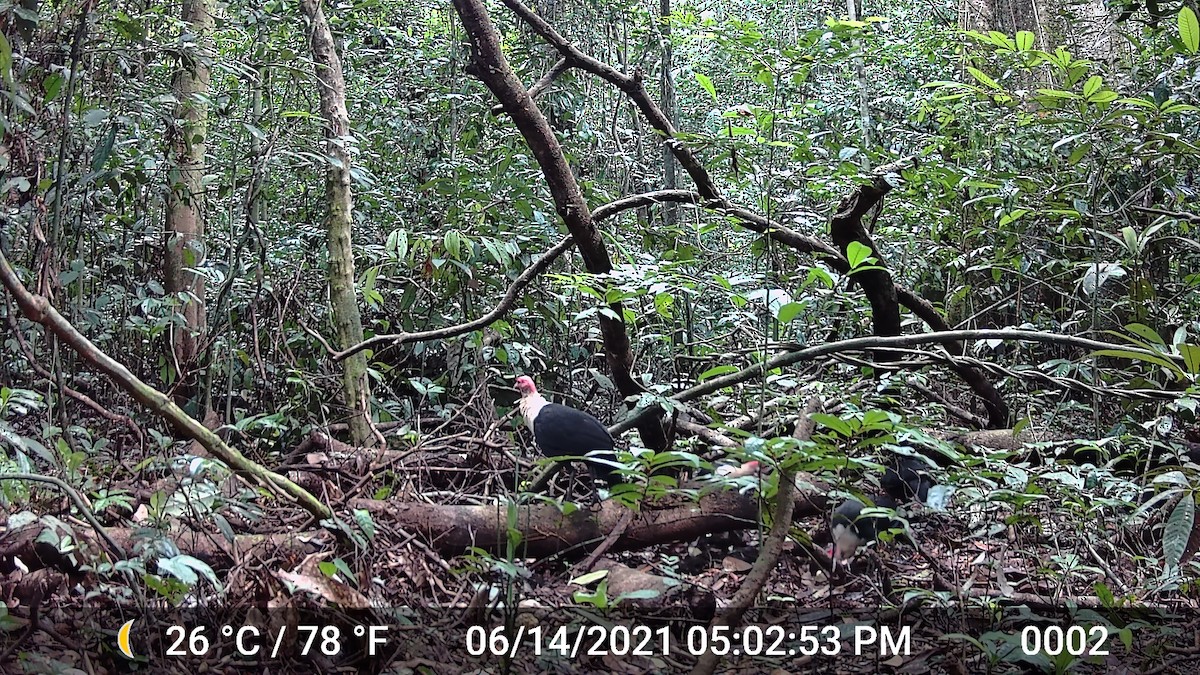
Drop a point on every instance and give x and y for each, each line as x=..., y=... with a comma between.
x=546, y=530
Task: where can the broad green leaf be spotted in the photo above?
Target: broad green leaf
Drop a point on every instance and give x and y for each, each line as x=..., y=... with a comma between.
x=1138, y=356
x=857, y=253
x=983, y=77
x=6, y=60
x=1024, y=40
x=835, y=423
x=1146, y=333
x=1191, y=358
x=1012, y=217
x=1178, y=530
x=1058, y=93
x=1079, y=153
x=707, y=84
x=1140, y=102
x=366, y=523
x=1001, y=40
x=1094, y=84
x=1189, y=30
x=590, y=578
x=663, y=303
x=790, y=311
x=714, y=372
x=453, y=243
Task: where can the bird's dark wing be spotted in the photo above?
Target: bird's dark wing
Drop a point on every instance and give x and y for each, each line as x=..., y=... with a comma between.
x=908, y=479
x=560, y=430
x=849, y=515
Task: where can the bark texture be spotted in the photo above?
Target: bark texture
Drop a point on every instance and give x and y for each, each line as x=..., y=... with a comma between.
x=343, y=300
x=184, y=246
x=491, y=67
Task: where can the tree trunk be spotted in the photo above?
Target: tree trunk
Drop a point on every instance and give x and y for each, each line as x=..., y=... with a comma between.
x=184, y=248
x=489, y=65
x=667, y=85
x=347, y=322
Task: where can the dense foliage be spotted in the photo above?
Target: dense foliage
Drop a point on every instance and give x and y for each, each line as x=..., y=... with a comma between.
x=1042, y=191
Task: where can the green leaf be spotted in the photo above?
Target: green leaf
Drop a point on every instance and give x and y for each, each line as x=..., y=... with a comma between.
x=1079, y=152
x=52, y=85
x=1189, y=31
x=714, y=372
x=707, y=84
x=453, y=242
x=1024, y=40
x=590, y=578
x=1178, y=530
x=1094, y=84
x=1012, y=217
x=362, y=518
x=857, y=253
x=1001, y=40
x=6, y=61
x=983, y=77
x=347, y=573
x=1058, y=93
x=790, y=311
x=104, y=150
x=1147, y=333
x=835, y=423
x=663, y=303
x=1191, y=358
x=1138, y=356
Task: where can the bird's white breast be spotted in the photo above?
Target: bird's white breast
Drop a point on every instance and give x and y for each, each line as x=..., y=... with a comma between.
x=530, y=406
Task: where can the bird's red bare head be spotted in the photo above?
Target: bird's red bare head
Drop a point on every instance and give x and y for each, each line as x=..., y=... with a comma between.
x=526, y=386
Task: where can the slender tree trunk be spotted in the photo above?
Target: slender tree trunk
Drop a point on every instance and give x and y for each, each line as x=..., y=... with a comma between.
x=864, y=108
x=343, y=301
x=184, y=247
x=667, y=84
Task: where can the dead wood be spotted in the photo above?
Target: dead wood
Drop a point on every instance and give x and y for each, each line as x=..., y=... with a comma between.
x=21, y=543
x=546, y=530
x=673, y=595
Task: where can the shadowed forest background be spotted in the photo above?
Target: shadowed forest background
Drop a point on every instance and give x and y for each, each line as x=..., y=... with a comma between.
x=271, y=270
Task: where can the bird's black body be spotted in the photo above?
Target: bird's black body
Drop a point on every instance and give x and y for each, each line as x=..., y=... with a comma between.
x=867, y=528
x=908, y=480
x=562, y=431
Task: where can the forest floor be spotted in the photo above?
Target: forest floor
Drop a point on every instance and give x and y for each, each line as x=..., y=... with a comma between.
x=968, y=594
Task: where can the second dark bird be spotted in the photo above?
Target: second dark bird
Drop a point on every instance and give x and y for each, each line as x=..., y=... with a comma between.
x=907, y=480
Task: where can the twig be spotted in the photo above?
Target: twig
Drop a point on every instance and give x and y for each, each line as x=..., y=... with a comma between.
x=75, y=497
x=772, y=546
x=622, y=525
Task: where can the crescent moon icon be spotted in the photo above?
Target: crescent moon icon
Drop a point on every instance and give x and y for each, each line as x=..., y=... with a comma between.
x=123, y=639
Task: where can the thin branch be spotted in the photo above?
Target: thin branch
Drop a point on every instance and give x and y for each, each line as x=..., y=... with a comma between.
x=38, y=309
x=1190, y=217
x=771, y=548
x=510, y=298
x=875, y=342
x=540, y=86
x=116, y=550
x=518, y=285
